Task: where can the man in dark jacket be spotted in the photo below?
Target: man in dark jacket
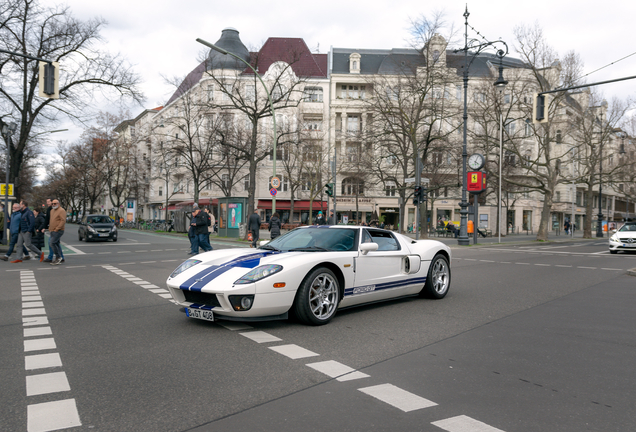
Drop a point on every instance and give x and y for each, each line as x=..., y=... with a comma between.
x=274, y=226
x=201, y=230
x=192, y=231
x=27, y=226
x=254, y=226
x=38, y=229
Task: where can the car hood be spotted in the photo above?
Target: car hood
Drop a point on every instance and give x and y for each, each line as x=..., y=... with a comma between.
x=224, y=267
x=625, y=234
x=100, y=225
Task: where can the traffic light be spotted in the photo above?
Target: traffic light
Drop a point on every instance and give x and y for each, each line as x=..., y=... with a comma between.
x=49, y=80
x=540, y=114
x=417, y=195
x=329, y=189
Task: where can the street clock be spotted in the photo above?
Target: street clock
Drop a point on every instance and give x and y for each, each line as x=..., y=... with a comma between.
x=476, y=162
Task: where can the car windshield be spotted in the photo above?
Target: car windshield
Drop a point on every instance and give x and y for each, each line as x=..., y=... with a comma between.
x=628, y=227
x=316, y=240
x=98, y=219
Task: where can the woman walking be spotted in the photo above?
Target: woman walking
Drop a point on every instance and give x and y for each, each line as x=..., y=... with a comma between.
x=274, y=225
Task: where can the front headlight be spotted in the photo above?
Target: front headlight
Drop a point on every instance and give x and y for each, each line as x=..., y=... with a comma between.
x=91, y=229
x=113, y=229
x=259, y=273
x=184, y=266
x=614, y=238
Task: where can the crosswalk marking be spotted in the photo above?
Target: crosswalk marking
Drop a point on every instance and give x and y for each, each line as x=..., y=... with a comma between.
x=293, y=351
x=49, y=416
x=260, y=336
x=464, y=423
x=395, y=396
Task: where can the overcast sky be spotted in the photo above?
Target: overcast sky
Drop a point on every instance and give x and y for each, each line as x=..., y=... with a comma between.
x=158, y=36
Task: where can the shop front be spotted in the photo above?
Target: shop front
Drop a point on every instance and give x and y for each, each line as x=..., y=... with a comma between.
x=351, y=210
x=301, y=210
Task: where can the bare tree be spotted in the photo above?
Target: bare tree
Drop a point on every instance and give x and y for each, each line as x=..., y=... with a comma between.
x=29, y=28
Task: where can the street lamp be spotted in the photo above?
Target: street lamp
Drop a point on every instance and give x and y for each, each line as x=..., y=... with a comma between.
x=269, y=98
x=7, y=131
x=599, y=225
x=500, y=84
x=477, y=48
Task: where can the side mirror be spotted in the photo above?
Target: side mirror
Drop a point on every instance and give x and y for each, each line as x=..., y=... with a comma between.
x=366, y=247
x=263, y=242
x=613, y=231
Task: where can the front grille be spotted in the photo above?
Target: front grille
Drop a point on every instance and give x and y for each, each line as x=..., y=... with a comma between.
x=627, y=240
x=201, y=298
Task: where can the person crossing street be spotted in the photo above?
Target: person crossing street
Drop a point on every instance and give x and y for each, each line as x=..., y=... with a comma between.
x=27, y=227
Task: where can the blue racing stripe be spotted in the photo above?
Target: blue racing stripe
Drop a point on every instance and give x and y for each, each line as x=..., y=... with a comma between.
x=198, y=281
x=383, y=286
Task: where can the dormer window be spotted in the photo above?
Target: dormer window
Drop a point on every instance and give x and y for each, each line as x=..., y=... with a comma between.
x=354, y=63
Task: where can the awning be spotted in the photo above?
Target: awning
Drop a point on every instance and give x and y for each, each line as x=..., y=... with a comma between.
x=298, y=205
x=202, y=202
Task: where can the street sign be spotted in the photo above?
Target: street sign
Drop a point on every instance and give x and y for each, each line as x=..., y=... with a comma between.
x=275, y=182
x=423, y=180
x=3, y=189
x=409, y=180
x=273, y=191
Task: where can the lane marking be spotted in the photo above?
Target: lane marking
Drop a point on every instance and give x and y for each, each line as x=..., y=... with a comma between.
x=74, y=249
x=522, y=263
x=53, y=382
x=544, y=265
x=464, y=423
x=395, y=396
x=31, y=321
x=560, y=265
x=49, y=416
x=37, y=331
x=337, y=370
x=260, y=337
x=614, y=269
x=583, y=267
x=42, y=361
x=39, y=344
x=293, y=351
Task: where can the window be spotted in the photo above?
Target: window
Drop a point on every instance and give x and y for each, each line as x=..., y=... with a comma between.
x=250, y=92
x=226, y=92
x=132, y=131
x=559, y=137
x=507, y=98
x=306, y=183
x=279, y=91
x=225, y=180
x=392, y=94
x=353, y=123
x=284, y=183
x=353, y=152
x=509, y=158
x=313, y=94
x=385, y=240
x=480, y=97
x=509, y=127
x=312, y=153
x=527, y=131
x=352, y=186
x=160, y=190
x=391, y=160
x=281, y=153
x=352, y=91
x=312, y=124
x=435, y=55
x=246, y=182
x=557, y=196
x=526, y=158
x=389, y=188
x=458, y=92
x=210, y=92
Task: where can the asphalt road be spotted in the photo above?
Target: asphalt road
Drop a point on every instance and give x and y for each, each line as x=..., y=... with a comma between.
x=530, y=338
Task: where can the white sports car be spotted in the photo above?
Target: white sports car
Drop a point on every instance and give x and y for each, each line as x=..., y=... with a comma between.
x=310, y=272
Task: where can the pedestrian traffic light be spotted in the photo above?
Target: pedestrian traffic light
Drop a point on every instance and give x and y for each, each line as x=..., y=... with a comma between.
x=539, y=111
x=329, y=189
x=49, y=80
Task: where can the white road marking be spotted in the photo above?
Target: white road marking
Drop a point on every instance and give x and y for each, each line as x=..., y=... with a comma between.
x=53, y=382
x=39, y=344
x=337, y=370
x=141, y=251
x=172, y=260
x=74, y=249
x=559, y=265
x=37, y=331
x=522, y=263
x=156, y=250
x=583, y=267
x=260, y=337
x=486, y=261
x=158, y=291
x=79, y=266
x=166, y=296
x=140, y=282
x=124, y=252
x=147, y=262
x=42, y=361
x=149, y=286
x=469, y=259
x=395, y=396
x=605, y=268
x=235, y=326
x=32, y=304
x=293, y=351
x=31, y=312
x=38, y=320
x=26, y=297
x=464, y=423
x=49, y=416
x=544, y=265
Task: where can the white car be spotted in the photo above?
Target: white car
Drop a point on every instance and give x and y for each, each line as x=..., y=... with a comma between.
x=624, y=238
x=310, y=272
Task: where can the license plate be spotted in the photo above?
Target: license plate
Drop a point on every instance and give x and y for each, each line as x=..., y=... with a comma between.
x=103, y=235
x=629, y=244
x=200, y=314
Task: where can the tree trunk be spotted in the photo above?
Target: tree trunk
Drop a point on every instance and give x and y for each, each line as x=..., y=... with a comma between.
x=542, y=234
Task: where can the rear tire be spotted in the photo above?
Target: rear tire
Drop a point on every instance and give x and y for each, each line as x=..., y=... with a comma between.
x=438, y=278
x=317, y=298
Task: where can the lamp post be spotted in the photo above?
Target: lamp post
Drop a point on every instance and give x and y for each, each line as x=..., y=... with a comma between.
x=7, y=131
x=599, y=225
x=269, y=98
x=500, y=84
x=477, y=48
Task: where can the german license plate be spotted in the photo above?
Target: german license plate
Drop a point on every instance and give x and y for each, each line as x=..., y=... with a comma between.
x=200, y=314
x=629, y=244
x=103, y=235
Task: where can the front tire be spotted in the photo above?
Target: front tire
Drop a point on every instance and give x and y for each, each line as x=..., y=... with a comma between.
x=613, y=252
x=318, y=297
x=438, y=278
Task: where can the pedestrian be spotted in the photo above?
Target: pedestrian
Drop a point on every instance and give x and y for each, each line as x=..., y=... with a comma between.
x=14, y=232
x=57, y=223
x=201, y=222
x=212, y=220
x=254, y=226
x=566, y=226
x=332, y=219
x=47, y=219
x=274, y=226
x=27, y=226
x=210, y=224
x=38, y=229
x=320, y=220
x=192, y=234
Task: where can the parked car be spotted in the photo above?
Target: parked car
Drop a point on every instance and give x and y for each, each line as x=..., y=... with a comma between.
x=310, y=272
x=97, y=227
x=623, y=239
